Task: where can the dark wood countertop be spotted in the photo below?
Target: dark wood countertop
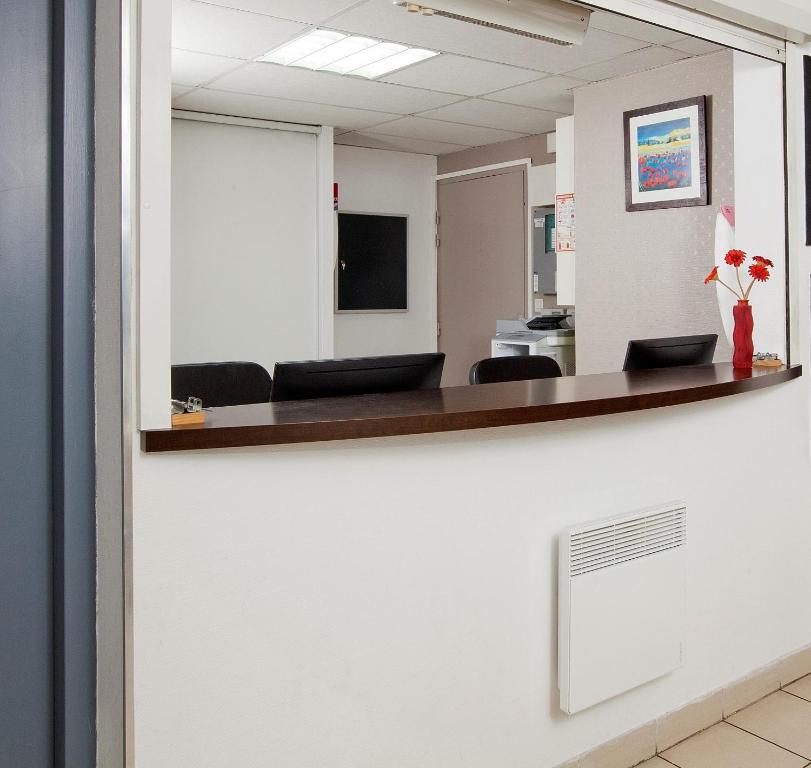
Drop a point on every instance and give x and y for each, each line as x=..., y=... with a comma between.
x=457, y=408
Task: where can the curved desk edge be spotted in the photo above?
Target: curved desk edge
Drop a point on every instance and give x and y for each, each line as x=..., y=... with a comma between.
x=461, y=408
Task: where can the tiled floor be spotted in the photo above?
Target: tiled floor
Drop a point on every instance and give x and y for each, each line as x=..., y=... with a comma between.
x=772, y=733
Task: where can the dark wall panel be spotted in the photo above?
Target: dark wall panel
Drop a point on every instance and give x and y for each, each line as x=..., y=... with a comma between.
x=72, y=411
x=25, y=367
x=47, y=481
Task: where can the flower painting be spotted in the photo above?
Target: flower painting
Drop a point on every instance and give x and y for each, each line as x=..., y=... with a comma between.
x=665, y=156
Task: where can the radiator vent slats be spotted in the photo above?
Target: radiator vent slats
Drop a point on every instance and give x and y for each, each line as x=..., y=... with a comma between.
x=628, y=539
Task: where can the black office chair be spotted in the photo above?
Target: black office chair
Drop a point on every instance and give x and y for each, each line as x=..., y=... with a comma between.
x=221, y=384
x=498, y=369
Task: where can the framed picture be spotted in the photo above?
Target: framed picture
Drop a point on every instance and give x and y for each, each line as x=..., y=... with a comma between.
x=666, y=155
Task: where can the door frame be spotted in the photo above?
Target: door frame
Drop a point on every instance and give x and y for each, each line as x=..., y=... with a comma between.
x=483, y=171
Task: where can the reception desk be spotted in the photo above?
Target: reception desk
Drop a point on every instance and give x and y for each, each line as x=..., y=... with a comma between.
x=345, y=603
x=460, y=408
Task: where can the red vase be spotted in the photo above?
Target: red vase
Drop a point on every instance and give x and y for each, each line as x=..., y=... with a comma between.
x=742, y=335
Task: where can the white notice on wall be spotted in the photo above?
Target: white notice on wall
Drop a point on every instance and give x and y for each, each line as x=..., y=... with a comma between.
x=564, y=223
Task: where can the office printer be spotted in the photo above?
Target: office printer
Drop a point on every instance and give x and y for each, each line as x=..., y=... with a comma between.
x=550, y=334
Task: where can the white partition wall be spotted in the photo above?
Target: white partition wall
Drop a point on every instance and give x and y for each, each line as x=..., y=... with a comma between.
x=392, y=183
x=375, y=602
x=244, y=243
x=760, y=189
x=564, y=183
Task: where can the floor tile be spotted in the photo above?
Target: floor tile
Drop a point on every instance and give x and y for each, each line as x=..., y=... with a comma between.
x=780, y=718
x=655, y=762
x=754, y=688
x=724, y=746
x=695, y=717
x=801, y=688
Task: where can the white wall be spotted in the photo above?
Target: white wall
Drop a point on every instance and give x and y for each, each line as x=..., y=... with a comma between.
x=541, y=184
x=244, y=244
x=392, y=602
x=800, y=253
x=760, y=189
x=375, y=181
x=641, y=274
x=564, y=184
x=147, y=195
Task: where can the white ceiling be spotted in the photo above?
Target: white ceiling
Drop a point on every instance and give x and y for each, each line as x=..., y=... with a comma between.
x=487, y=86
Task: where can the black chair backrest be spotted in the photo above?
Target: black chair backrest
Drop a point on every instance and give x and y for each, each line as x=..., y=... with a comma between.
x=498, y=369
x=221, y=384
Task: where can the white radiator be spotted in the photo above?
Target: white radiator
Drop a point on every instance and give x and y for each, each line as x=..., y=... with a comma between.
x=621, y=604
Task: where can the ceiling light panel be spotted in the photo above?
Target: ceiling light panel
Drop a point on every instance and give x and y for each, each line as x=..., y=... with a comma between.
x=339, y=51
x=303, y=46
x=329, y=51
x=365, y=58
x=393, y=63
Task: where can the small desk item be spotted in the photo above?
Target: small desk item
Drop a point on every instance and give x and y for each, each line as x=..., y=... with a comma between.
x=188, y=413
x=180, y=420
x=767, y=361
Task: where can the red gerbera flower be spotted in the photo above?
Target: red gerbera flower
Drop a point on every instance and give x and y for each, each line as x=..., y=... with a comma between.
x=735, y=257
x=712, y=276
x=759, y=272
x=763, y=260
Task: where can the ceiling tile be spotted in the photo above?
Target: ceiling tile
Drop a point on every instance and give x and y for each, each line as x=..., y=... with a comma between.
x=436, y=130
x=193, y=68
x=398, y=144
x=489, y=114
x=198, y=26
x=180, y=90
x=308, y=11
x=637, y=61
x=622, y=25
x=552, y=93
x=383, y=19
x=245, y=105
x=694, y=46
x=328, y=88
x=461, y=75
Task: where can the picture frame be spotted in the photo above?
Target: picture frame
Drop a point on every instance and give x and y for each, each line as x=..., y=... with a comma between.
x=666, y=162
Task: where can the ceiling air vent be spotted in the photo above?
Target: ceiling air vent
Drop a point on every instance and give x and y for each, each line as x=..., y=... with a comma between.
x=551, y=21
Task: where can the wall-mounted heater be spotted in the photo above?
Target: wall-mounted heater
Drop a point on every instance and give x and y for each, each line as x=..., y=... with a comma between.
x=553, y=21
x=621, y=604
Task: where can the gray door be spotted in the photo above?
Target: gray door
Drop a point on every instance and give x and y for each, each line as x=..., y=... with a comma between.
x=26, y=600
x=481, y=264
x=47, y=514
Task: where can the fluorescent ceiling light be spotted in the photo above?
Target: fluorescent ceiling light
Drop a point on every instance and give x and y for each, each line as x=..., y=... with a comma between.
x=551, y=21
x=392, y=63
x=339, y=51
x=364, y=58
x=330, y=51
x=302, y=46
